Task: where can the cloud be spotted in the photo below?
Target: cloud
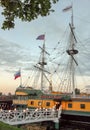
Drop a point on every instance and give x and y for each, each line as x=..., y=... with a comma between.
x=13, y=56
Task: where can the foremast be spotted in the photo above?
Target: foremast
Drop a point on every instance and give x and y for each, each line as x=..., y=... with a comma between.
x=42, y=64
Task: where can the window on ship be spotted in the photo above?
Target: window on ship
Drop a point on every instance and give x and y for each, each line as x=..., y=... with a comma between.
x=82, y=106
x=32, y=103
x=22, y=97
x=69, y=105
x=47, y=103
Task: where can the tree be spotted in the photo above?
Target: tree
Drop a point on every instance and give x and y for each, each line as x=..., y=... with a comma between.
x=25, y=10
x=77, y=91
x=0, y=93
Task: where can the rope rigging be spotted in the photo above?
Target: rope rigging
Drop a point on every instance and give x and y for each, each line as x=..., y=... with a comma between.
x=60, y=64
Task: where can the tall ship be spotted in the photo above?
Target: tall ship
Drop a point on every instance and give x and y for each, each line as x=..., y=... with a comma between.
x=75, y=104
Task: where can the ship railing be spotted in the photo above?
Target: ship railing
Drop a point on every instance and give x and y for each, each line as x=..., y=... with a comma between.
x=16, y=117
x=82, y=96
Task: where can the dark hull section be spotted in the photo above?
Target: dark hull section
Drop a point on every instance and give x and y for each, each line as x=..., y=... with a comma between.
x=6, y=104
x=76, y=118
x=75, y=122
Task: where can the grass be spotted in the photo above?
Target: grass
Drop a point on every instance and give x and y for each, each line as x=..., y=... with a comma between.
x=4, y=126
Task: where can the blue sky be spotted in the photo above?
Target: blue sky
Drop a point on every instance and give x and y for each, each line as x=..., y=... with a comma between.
x=19, y=47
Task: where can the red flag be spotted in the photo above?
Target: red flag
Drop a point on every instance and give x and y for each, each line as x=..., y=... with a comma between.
x=67, y=8
x=41, y=37
x=17, y=74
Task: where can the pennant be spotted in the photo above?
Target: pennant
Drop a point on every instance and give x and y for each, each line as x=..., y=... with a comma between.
x=41, y=37
x=17, y=74
x=67, y=8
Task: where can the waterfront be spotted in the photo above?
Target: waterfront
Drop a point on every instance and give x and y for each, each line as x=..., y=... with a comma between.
x=74, y=125
x=64, y=125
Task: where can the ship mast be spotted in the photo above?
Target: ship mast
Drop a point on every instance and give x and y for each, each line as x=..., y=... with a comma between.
x=43, y=63
x=42, y=68
x=71, y=52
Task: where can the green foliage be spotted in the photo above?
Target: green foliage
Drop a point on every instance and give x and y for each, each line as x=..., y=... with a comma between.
x=26, y=10
x=77, y=91
x=0, y=93
x=4, y=126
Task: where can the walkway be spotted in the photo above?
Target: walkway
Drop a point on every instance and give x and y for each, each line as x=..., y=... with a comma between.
x=18, y=117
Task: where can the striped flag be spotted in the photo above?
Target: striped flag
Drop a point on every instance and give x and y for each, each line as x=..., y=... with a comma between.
x=17, y=74
x=67, y=8
x=41, y=37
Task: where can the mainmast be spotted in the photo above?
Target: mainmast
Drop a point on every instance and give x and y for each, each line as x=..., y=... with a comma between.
x=72, y=51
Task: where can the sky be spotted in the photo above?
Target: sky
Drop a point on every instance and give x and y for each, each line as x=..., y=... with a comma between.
x=19, y=47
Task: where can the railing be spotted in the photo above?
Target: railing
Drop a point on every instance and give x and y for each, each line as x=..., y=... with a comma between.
x=16, y=117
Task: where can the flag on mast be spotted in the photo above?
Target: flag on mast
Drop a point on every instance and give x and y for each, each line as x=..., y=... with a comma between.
x=17, y=74
x=41, y=37
x=67, y=8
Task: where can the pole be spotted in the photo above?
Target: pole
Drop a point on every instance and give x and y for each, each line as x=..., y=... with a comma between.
x=56, y=121
x=20, y=78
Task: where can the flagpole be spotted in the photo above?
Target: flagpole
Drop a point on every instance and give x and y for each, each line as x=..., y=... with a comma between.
x=20, y=78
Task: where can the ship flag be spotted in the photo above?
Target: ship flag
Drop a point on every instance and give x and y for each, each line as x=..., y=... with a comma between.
x=41, y=37
x=17, y=74
x=67, y=8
